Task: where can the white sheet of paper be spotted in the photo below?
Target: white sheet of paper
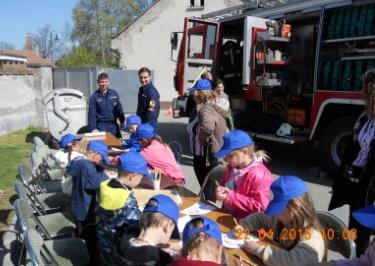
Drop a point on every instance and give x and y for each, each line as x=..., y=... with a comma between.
x=229, y=240
x=198, y=208
x=95, y=134
x=182, y=221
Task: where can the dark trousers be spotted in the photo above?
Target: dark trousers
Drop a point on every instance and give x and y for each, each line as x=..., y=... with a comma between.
x=201, y=168
x=87, y=231
x=111, y=127
x=363, y=233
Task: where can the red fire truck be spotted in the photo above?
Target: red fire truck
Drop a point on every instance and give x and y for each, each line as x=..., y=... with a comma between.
x=291, y=61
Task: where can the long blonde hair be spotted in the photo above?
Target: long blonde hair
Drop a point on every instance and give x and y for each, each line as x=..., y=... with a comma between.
x=304, y=212
x=253, y=153
x=304, y=217
x=205, y=96
x=368, y=88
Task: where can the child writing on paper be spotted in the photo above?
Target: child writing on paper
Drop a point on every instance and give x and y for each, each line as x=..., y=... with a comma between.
x=70, y=150
x=202, y=244
x=117, y=209
x=87, y=174
x=158, y=224
x=158, y=154
x=245, y=187
x=291, y=209
x=63, y=157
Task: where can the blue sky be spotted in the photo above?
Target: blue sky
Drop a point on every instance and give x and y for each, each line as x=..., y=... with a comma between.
x=21, y=16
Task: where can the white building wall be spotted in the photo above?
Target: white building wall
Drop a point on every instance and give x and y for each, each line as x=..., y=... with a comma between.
x=147, y=41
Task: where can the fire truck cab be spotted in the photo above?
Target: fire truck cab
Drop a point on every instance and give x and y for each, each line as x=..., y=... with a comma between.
x=295, y=63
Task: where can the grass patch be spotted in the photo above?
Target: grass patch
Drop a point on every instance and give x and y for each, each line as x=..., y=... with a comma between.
x=13, y=150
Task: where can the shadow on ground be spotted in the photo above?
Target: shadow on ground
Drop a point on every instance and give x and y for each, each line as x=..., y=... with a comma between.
x=300, y=160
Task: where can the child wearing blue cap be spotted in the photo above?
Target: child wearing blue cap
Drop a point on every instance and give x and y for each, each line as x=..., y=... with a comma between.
x=63, y=157
x=132, y=123
x=158, y=155
x=152, y=246
x=202, y=244
x=117, y=209
x=245, y=186
x=70, y=150
x=87, y=174
x=290, y=220
x=365, y=217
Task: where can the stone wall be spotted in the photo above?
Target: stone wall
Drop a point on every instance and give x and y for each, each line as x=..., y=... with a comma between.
x=21, y=99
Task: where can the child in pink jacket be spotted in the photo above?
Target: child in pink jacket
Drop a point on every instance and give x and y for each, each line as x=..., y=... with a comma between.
x=245, y=187
x=158, y=154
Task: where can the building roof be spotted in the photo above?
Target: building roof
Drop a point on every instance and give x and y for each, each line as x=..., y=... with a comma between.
x=131, y=23
x=33, y=59
x=12, y=57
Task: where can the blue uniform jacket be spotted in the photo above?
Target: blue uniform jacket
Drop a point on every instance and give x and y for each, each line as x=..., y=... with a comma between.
x=104, y=110
x=86, y=177
x=148, y=104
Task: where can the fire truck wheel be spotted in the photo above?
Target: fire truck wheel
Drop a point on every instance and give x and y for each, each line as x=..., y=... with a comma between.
x=332, y=143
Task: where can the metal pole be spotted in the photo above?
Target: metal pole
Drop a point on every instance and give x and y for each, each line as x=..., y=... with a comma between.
x=51, y=43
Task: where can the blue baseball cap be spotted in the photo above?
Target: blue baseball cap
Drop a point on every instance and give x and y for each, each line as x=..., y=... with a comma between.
x=167, y=207
x=209, y=227
x=144, y=131
x=366, y=216
x=284, y=189
x=99, y=147
x=68, y=139
x=133, y=162
x=236, y=139
x=132, y=120
x=201, y=85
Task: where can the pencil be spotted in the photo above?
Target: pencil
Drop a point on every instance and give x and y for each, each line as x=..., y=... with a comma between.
x=244, y=260
x=217, y=183
x=235, y=221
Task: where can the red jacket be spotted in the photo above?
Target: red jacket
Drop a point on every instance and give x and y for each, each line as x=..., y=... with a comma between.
x=249, y=189
x=185, y=262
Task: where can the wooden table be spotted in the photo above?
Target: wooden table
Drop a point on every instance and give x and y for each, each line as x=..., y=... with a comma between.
x=224, y=220
x=226, y=224
x=107, y=138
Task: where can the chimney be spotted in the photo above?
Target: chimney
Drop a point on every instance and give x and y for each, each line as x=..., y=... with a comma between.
x=28, y=42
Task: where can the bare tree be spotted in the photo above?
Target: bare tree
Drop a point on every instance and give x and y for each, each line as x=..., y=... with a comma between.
x=95, y=21
x=6, y=46
x=46, y=41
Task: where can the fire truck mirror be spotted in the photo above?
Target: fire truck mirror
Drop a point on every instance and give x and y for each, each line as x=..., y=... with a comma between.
x=174, y=40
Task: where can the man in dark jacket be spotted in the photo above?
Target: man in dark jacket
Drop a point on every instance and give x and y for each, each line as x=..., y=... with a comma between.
x=148, y=99
x=105, y=108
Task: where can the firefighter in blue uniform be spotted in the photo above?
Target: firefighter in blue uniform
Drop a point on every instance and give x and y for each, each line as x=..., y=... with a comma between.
x=148, y=99
x=105, y=108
